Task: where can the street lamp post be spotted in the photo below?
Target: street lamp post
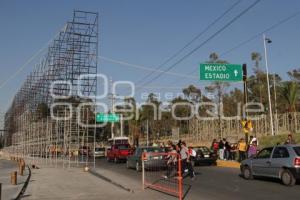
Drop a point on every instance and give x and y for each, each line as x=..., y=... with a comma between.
x=275, y=106
x=269, y=93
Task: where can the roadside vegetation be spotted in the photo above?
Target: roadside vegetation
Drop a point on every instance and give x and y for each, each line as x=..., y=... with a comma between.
x=267, y=141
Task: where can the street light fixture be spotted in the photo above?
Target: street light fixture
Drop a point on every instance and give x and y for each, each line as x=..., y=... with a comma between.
x=267, y=40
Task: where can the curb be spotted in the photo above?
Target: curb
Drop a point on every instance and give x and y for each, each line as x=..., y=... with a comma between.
x=228, y=164
x=110, y=181
x=24, y=186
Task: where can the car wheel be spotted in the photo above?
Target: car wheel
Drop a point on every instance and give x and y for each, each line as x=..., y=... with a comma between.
x=288, y=178
x=116, y=160
x=247, y=173
x=137, y=167
x=107, y=159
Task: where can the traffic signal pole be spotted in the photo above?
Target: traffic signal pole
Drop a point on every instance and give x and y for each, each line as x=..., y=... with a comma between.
x=245, y=97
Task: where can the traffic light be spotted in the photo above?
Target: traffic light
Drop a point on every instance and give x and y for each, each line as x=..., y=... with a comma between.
x=244, y=72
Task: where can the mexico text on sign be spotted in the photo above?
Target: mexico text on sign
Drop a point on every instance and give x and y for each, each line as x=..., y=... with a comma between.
x=221, y=72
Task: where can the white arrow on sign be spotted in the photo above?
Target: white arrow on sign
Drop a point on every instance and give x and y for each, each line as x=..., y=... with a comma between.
x=235, y=73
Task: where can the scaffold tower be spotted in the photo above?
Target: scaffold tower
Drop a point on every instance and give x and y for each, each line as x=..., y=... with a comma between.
x=66, y=77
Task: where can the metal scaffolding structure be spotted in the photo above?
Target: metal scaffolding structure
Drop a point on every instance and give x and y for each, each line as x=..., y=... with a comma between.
x=66, y=77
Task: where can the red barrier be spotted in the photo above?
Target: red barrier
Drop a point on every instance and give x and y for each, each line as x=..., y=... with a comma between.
x=162, y=172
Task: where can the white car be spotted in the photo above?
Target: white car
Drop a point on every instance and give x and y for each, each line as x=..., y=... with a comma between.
x=99, y=152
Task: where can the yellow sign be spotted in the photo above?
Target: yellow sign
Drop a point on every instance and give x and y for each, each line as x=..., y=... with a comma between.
x=247, y=126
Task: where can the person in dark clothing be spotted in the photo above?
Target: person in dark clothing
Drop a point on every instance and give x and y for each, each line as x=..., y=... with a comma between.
x=233, y=151
x=227, y=151
x=221, y=150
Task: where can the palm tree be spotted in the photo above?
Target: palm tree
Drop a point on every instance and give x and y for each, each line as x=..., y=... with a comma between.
x=192, y=93
x=217, y=86
x=256, y=57
x=295, y=75
x=290, y=94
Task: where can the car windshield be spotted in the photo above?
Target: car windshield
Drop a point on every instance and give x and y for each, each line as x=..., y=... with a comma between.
x=265, y=153
x=203, y=149
x=123, y=147
x=99, y=149
x=121, y=141
x=297, y=150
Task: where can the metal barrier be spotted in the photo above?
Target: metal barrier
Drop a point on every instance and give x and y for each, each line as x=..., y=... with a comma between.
x=162, y=172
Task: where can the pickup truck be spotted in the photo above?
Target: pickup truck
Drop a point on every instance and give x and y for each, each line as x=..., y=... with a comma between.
x=118, y=152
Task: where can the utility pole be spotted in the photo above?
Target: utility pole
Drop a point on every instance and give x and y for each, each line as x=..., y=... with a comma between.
x=147, y=131
x=275, y=105
x=121, y=124
x=113, y=102
x=268, y=84
x=112, y=108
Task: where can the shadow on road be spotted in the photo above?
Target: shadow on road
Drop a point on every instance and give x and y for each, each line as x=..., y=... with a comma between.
x=267, y=180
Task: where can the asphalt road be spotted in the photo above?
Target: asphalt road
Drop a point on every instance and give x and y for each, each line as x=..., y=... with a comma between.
x=6, y=164
x=10, y=191
x=215, y=183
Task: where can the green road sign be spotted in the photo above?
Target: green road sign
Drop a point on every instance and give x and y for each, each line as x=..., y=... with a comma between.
x=221, y=72
x=101, y=117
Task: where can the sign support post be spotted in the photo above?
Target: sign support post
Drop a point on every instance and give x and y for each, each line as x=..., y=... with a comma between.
x=245, y=98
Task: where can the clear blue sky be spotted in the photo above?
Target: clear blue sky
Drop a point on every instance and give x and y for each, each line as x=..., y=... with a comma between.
x=147, y=33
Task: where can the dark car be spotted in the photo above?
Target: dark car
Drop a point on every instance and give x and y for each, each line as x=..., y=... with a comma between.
x=155, y=161
x=203, y=156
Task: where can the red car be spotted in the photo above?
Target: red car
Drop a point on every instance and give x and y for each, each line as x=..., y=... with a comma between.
x=118, y=152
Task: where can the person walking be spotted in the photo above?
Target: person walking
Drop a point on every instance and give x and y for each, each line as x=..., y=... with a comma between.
x=242, y=147
x=186, y=160
x=172, y=162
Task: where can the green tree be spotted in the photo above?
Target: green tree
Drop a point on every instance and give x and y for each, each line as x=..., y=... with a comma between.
x=231, y=101
x=150, y=112
x=181, y=111
x=295, y=75
x=192, y=93
x=256, y=57
x=290, y=94
x=217, y=87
